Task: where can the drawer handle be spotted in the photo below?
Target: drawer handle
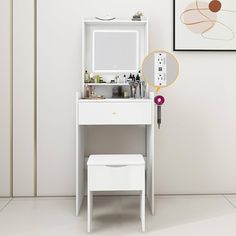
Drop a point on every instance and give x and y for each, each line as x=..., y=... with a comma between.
x=115, y=166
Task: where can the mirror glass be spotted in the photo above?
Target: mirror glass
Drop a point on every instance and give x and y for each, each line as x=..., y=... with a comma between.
x=160, y=69
x=115, y=51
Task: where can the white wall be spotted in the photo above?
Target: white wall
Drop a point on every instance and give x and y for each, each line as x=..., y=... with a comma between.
x=59, y=33
x=23, y=98
x=196, y=145
x=196, y=151
x=5, y=98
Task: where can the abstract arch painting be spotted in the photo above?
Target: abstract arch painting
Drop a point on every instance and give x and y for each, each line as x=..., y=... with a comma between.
x=205, y=25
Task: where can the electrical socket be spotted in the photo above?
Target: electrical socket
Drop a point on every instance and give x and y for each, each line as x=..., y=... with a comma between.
x=160, y=63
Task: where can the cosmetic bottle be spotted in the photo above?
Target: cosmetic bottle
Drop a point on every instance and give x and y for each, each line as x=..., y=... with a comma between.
x=126, y=95
x=133, y=78
x=86, y=77
x=125, y=79
x=87, y=91
x=117, y=79
x=130, y=78
x=138, y=77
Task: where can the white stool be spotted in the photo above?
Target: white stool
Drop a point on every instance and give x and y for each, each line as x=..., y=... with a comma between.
x=116, y=173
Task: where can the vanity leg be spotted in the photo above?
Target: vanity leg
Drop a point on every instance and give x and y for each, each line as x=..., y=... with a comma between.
x=143, y=210
x=91, y=204
x=140, y=201
x=89, y=210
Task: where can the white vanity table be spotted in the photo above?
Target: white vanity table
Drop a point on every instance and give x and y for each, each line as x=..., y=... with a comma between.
x=111, y=111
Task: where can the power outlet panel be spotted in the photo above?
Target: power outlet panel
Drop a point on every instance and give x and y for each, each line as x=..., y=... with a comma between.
x=160, y=69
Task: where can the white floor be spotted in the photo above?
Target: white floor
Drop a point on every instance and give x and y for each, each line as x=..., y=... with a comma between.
x=175, y=216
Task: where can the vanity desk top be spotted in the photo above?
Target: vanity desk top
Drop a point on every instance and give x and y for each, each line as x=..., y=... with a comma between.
x=116, y=100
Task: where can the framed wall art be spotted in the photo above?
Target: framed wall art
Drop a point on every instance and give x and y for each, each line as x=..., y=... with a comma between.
x=204, y=25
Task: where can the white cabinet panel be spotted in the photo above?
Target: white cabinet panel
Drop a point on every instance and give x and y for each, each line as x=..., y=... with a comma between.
x=5, y=97
x=59, y=43
x=114, y=113
x=23, y=97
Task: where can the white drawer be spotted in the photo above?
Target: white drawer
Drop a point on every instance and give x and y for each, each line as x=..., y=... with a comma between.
x=113, y=178
x=117, y=113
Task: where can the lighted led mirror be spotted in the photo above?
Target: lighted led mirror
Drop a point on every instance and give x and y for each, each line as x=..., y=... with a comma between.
x=115, y=51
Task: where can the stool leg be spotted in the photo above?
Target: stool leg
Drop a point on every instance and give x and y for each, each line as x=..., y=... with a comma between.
x=89, y=210
x=143, y=210
x=140, y=201
x=91, y=204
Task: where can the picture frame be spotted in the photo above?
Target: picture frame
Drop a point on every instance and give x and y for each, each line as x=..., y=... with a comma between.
x=204, y=25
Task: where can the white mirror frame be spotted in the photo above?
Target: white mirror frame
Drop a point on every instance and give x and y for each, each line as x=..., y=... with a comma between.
x=117, y=71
